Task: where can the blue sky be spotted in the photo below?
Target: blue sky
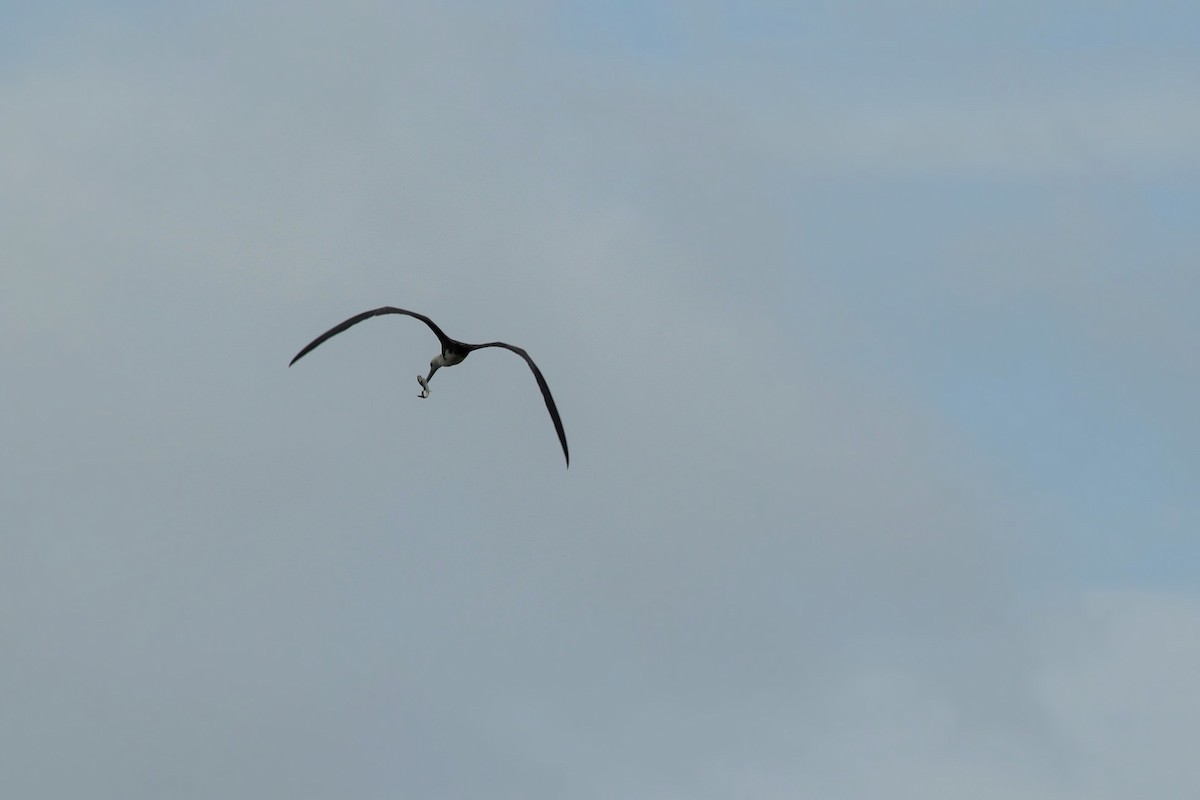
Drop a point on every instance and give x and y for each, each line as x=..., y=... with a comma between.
x=872, y=330
x=1042, y=393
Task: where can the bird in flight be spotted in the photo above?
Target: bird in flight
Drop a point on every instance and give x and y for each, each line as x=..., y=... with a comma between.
x=453, y=352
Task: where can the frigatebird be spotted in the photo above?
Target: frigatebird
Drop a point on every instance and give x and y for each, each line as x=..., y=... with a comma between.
x=453, y=352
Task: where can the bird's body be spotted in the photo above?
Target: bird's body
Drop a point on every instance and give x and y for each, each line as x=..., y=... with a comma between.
x=453, y=352
x=448, y=358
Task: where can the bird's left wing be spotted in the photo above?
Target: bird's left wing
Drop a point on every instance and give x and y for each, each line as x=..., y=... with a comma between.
x=334, y=331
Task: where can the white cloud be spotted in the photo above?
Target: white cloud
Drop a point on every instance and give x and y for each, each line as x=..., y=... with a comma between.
x=1118, y=678
x=1052, y=133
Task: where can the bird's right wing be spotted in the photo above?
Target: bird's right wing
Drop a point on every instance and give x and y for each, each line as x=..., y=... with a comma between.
x=541, y=382
x=334, y=331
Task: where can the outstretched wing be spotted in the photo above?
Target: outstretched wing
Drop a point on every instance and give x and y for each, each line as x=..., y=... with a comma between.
x=541, y=382
x=443, y=338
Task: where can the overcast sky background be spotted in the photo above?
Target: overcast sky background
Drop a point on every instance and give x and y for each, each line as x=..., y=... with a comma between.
x=873, y=328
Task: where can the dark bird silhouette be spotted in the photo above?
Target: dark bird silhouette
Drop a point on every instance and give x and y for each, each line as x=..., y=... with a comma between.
x=453, y=352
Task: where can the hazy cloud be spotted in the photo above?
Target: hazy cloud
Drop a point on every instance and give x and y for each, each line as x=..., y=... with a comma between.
x=876, y=394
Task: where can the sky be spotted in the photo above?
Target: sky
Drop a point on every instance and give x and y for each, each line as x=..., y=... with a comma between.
x=872, y=329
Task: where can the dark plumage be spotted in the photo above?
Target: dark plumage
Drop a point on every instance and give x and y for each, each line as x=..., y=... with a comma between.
x=453, y=352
